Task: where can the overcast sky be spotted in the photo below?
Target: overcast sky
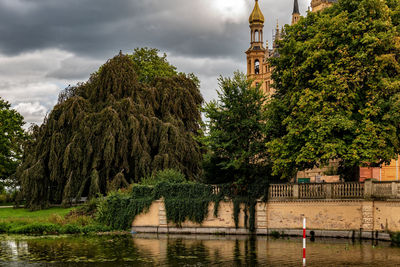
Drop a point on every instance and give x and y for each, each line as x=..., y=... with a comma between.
x=46, y=45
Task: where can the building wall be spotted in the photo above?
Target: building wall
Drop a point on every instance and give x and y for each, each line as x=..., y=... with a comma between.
x=156, y=216
x=331, y=215
x=318, y=5
x=337, y=215
x=388, y=172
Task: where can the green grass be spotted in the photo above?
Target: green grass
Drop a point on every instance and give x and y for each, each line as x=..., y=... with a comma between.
x=10, y=213
x=47, y=222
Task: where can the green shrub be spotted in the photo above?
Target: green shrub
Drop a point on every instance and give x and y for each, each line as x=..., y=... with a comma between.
x=395, y=238
x=3, y=198
x=4, y=227
x=169, y=176
x=36, y=229
x=71, y=229
x=95, y=228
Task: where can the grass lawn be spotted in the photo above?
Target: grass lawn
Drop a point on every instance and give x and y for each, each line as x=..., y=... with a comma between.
x=9, y=213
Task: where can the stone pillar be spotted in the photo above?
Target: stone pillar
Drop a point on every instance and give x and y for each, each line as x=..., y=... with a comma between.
x=394, y=189
x=296, y=191
x=367, y=216
x=329, y=189
x=368, y=189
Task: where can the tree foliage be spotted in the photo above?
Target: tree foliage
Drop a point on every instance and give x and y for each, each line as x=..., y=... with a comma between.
x=235, y=125
x=337, y=86
x=12, y=137
x=149, y=65
x=123, y=124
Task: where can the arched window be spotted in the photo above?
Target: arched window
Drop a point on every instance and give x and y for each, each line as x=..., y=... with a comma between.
x=256, y=36
x=257, y=66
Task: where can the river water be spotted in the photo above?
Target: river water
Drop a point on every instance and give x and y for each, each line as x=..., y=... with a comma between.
x=191, y=250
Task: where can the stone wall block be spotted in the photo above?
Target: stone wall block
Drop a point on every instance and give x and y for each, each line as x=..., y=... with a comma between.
x=367, y=215
x=162, y=215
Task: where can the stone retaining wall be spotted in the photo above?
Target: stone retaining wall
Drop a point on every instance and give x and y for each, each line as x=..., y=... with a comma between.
x=333, y=218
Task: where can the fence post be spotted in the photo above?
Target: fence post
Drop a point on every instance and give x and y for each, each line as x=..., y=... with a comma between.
x=296, y=191
x=368, y=189
x=394, y=189
x=329, y=189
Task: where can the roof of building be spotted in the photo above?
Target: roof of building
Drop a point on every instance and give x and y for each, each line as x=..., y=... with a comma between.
x=256, y=15
x=296, y=7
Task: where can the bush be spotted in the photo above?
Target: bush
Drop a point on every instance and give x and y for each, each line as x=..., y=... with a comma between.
x=395, y=238
x=8, y=198
x=36, y=229
x=71, y=229
x=169, y=176
x=95, y=228
x=4, y=228
x=3, y=198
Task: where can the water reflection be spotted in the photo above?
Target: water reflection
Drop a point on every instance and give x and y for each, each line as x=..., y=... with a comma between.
x=191, y=250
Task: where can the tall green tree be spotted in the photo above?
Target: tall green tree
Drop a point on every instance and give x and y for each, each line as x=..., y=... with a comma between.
x=11, y=139
x=113, y=130
x=234, y=126
x=337, y=83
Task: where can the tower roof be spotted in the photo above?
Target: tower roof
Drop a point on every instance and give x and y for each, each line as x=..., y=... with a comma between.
x=256, y=15
x=296, y=7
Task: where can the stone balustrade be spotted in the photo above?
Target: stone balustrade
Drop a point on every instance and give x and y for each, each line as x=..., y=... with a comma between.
x=354, y=209
x=351, y=190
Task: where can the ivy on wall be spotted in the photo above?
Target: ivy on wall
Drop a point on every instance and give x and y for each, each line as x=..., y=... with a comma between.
x=183, y=201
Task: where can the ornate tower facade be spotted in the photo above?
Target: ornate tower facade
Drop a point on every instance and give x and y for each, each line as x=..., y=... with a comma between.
x=318, y=5
x=257, y=66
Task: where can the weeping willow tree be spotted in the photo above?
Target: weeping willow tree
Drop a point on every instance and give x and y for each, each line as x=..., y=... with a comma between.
x=111, y=131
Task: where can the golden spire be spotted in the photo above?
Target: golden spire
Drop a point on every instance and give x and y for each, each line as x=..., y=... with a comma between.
x=256, y=15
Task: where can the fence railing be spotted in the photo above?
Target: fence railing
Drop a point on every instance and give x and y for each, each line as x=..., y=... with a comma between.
x=281, y=191
x=351, y=190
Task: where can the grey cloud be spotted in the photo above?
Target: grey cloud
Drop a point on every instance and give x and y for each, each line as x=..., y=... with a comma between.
x=102, y=27
x=75, y=68
x=47, y=44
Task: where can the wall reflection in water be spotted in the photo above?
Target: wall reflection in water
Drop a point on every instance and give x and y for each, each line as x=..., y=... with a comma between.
x=191, y=250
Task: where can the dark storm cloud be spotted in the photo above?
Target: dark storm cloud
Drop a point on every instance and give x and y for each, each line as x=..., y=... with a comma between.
x=47, y=44
x=102, y=27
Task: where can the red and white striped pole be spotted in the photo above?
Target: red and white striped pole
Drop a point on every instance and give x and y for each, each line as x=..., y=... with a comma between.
x=304, y=241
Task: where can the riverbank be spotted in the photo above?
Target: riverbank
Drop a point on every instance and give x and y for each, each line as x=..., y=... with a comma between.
x=51, y=221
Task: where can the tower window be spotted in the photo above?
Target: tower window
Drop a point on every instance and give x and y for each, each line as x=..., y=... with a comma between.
x=257, y=66
x=256, y=36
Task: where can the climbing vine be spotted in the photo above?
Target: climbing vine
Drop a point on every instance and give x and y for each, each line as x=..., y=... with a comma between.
x=183, y=201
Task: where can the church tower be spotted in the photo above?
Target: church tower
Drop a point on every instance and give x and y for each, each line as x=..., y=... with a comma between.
x=296, y=12
x=257, y=67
